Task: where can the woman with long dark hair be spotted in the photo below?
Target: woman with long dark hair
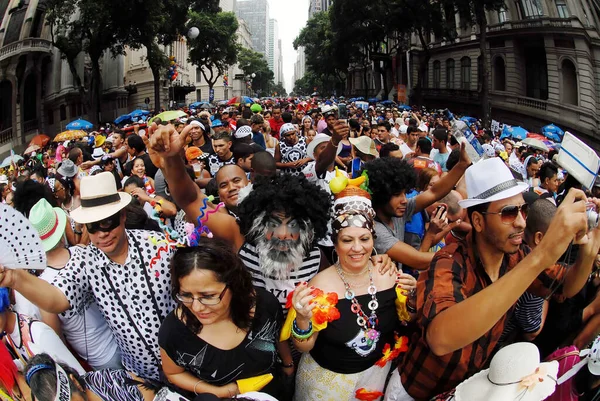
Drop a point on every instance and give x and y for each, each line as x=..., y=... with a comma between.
x=223, y=329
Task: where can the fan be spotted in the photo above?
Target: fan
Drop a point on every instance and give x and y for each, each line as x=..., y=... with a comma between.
x=20, y=243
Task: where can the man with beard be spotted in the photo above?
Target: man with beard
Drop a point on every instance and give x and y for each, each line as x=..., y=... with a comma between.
x=465, y=297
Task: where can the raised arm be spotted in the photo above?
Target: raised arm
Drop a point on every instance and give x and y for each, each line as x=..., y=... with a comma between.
x=467, y=320
x=164, y=147
x=328, y=156
x=39, y=292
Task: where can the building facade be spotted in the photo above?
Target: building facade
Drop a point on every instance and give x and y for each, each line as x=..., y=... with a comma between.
x=274, y=49
x=315, y=6
x=542, y=61
x=256, y=15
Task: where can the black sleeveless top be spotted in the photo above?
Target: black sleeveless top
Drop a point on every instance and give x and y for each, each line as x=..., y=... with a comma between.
x=341, y=347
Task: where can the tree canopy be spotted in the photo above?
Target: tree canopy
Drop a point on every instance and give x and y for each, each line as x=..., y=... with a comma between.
x=252, y=62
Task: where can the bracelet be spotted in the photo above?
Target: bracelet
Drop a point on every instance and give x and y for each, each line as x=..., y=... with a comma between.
x=289, y=365
x=331, y=140
x=411, y=308
x=298, y=336
x=199, y=381
x=301, y=332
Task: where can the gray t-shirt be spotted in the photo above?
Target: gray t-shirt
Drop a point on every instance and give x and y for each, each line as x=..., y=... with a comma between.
x=388, y=237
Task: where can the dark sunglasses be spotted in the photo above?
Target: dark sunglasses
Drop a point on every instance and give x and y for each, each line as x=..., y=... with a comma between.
x=508, y=214
x=106, y=225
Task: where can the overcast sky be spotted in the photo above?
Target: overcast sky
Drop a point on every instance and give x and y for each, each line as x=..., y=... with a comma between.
x=291, y=17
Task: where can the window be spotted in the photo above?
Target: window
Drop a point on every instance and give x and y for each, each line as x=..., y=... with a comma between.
x=437, y=74
x=499, y=73
x=50, y=117
x=450, y=74
x=536, y=72
x=530, y=8
x=465, y=73
x=425, y=77
x=569, y=92
x=198, y=95
x=503, y=15
x=63, y=112
x=198, y=74
x=563, y=10
x=73, y=111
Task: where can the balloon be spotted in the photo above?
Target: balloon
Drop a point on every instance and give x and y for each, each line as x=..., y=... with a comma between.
x=193, y=32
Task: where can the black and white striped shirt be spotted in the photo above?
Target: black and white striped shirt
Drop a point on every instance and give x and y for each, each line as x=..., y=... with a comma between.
x=280, y=288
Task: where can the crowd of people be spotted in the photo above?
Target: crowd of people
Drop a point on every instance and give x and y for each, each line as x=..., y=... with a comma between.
x=288, y=251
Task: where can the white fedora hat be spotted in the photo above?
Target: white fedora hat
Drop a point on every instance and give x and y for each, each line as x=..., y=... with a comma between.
x=99, y=198
x=488, y=181
x=515, y=373
x=317, y=140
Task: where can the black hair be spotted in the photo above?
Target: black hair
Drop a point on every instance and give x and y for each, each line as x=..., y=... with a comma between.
x=28, y=193
x=224, y=135
x=441, y=135
x=411, y=129
x=241, y=122
x=293, y=195
x=242, y=151
x=425, y=145
x=286, y=117
x=218, y=257
x=386, y=125
x=257, y=119
x=389, y=177
x=136, y=142
x=412, y=122
x=136, y=218
x=547, y=170
x=453, y=141
x=453, y=159
x=43, y=382
x=263, y=163
x=354, y=124
x=74, y=154
x=134, y=180
x=481, y=208
x=539, y=216
x=212, y=188
x=388, y=148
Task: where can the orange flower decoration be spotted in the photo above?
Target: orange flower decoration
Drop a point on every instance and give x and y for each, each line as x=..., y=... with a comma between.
x=323, y=312
x=390, y=354
x=366, y=395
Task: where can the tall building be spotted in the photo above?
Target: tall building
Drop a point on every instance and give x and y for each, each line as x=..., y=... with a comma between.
x=279, y=63
x=274, y=49
x=256, y=15
x=316, y=6
x=299, y=65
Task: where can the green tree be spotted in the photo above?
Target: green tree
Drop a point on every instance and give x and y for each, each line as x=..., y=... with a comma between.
x=215, y=48
x=156, y=24
x=85, y=27
x=253, y=62
x=278, y=90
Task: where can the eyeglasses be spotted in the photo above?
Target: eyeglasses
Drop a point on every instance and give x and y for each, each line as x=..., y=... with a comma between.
x=208, y=300
x=508, y=214
x=106, y=225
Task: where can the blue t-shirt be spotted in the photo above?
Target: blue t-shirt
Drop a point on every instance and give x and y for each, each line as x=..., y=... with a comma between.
x=440, y=158
x=259, y=139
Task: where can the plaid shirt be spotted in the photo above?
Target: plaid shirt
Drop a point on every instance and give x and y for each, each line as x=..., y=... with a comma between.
x=454, y=275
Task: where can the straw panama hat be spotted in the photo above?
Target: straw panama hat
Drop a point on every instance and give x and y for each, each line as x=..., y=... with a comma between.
x=488, y=181
x=99, y=199
x=365, y=145
x=502, y=381
x=49, y=222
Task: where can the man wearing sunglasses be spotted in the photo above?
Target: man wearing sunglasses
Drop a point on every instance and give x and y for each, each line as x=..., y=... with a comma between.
x=472, y=286
x=122, y=271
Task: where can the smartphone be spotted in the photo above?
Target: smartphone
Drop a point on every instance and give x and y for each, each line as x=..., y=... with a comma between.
x=441, y=208
x=342, y=111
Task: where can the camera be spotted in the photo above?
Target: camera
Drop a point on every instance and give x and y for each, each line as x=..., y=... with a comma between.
x=592, y=216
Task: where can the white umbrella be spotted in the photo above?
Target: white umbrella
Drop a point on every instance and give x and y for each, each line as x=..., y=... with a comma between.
x=535, y=143
x=10, y=159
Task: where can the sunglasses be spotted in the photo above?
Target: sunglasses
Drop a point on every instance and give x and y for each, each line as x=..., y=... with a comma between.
x=106, y=225
x=508, y=214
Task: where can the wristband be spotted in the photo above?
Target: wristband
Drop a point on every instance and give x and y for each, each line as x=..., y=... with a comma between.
x=289, y=365
x=301, y=332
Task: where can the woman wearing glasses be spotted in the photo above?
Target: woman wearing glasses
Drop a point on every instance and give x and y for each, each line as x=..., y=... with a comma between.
x=223, y=328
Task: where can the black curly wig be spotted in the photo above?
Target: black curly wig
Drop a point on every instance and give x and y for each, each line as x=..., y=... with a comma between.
x=388, y=177
x=293, y=195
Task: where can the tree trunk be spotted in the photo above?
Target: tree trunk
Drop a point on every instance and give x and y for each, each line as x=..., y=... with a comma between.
x=485, y=86
x=95, y=90
x=418, y=93
x=156, y=84
x=82, y=91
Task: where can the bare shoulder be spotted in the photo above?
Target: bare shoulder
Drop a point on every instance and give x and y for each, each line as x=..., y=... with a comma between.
x=327, y=280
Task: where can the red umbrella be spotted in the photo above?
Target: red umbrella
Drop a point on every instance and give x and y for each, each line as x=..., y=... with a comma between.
x=40, y=140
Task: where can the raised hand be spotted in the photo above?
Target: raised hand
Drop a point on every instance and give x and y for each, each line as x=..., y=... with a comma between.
x=163, y=141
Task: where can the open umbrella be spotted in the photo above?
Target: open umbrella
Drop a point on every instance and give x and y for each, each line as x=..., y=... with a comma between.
x=469, y=120
x=553, y=133
x=31, y=149
x=239, y=100
x=170, y=115
x=373, y=100
x=514, y=132
x=139, y=113
x=535, y=144
x=404, y=107
x=69, y=135
x=79, y=124
x=123, y=119
x=388, y=103
x=11, y=159
x=41, y=140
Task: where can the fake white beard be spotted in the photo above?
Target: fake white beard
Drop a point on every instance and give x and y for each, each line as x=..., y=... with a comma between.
x=273, y=262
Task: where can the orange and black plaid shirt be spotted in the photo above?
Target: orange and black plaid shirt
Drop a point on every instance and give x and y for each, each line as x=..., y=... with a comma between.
x=454, y=275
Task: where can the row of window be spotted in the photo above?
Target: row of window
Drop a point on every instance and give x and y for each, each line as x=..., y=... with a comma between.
x=465, y=74
x=533, y=9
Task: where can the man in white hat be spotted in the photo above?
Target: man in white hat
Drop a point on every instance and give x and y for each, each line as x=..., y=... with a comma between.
x=470, y=288
x=121, y=271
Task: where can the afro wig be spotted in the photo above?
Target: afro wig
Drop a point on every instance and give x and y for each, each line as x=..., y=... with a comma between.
x=293, y=195
x=388, y=177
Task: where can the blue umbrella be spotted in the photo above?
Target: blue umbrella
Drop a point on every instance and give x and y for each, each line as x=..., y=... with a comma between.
x=122, y=119
x=79, y=124
x=387, y=103
x=404, y=107
x=553, y=133
x=139, y=113
x=373, y=100
x=514, y=132
x=195, y=105
x=360, y=98
x=469, y=120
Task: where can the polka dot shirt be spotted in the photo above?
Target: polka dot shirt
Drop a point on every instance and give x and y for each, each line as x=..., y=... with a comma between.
x=134, y=298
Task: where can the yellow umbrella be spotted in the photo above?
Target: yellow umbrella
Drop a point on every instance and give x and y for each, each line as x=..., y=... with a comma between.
x=69, y=135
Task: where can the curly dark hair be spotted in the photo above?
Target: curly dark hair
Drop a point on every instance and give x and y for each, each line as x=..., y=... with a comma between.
x=218, y=257
x=292, y=195
x=28, y=193
x=389, y=177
